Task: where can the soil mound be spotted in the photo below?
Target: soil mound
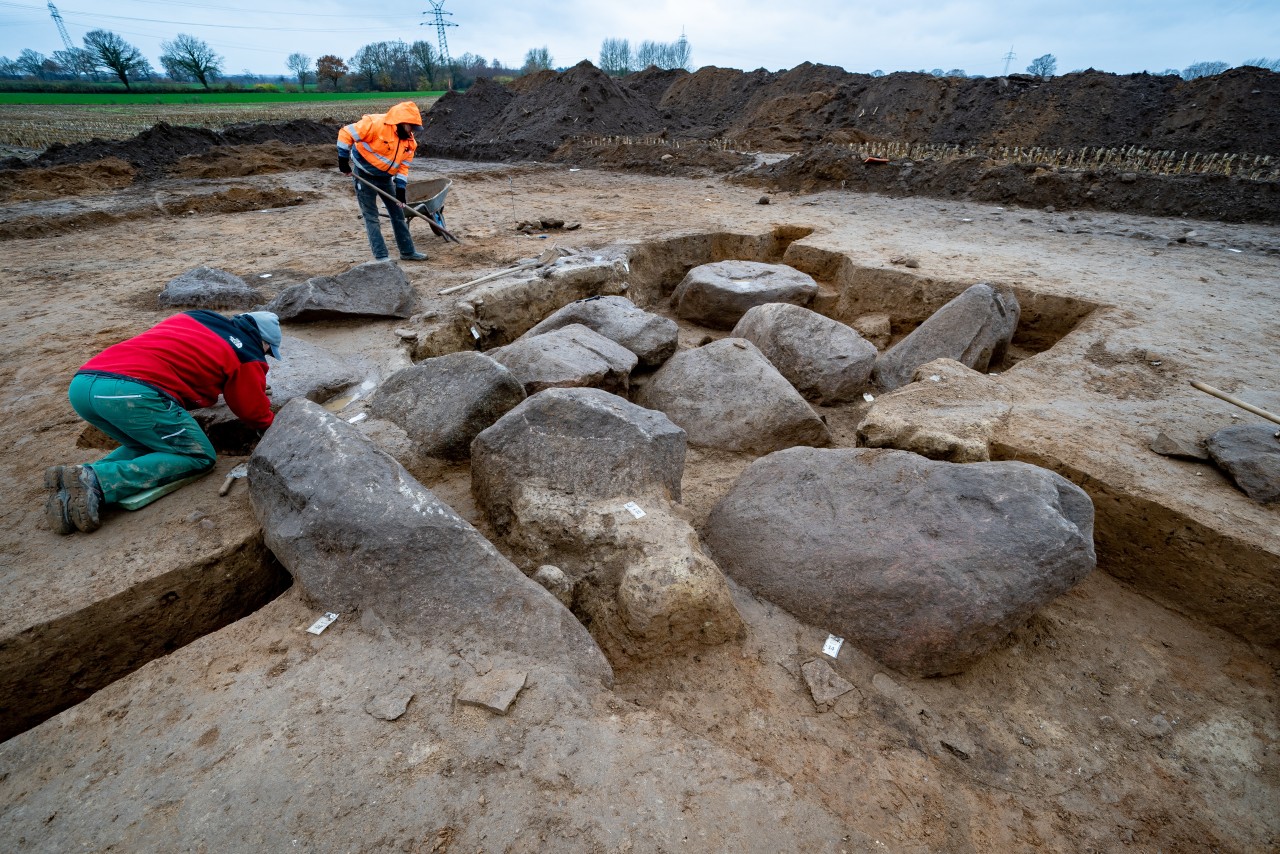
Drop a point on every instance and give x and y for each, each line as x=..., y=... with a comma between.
x=652, y=83
x=692, y=159
x=1218, y=197
x=35, y=185
x=296, y=132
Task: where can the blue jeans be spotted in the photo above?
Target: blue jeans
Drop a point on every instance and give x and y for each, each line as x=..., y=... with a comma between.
x=369, y=210
x=159, y=440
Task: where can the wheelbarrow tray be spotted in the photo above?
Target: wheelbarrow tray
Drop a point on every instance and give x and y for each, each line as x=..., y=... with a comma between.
x=428, y=196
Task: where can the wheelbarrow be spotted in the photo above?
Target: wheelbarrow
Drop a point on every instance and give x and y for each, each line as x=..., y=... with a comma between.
x=422, y=199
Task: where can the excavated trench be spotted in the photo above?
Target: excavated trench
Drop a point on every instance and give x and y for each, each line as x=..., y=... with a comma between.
x=1181, y=563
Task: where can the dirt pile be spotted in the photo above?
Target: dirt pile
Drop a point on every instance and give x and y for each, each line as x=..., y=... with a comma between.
x=34, y=185
x=831, y=167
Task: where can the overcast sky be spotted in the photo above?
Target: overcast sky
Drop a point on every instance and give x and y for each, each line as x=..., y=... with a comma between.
x=1121, y=36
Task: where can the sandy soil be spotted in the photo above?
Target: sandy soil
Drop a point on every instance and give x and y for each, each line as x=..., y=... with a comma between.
x=1138, y=712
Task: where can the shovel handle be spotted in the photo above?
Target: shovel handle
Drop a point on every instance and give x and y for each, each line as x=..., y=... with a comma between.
x=226, y=485
x=1222, y=395
x=407, y=208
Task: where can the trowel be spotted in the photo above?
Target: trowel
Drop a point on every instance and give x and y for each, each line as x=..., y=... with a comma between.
x=232, y=476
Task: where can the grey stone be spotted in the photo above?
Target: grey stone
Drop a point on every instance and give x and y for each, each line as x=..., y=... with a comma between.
x=444, y=403
x=1157, y=726
x=727, y=395
x=389, y=706
x=1179, y=447
x=209, y=287
x=652, y=337
x=312, y=371
x=556, y=582
x=825, y=360
x=825, y=685
x=924, y=565
x=975, y=329
x=949, y=412
x=717, y=295
x=1250, y=453
x=355, y=530
x=876, y=328
x=570, y=357
x=495, y=690
x=375, y=289
x=581, y=442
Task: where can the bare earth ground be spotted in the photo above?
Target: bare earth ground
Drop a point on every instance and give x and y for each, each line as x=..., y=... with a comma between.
x=1138, y=712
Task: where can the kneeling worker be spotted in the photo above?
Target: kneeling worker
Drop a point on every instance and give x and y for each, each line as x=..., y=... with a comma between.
x=380, y=148
x=138, y=393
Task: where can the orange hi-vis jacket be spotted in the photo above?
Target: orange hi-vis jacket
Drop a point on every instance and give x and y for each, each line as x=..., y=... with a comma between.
x=376, y=144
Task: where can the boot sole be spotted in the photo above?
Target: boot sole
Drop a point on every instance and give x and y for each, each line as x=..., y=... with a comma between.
x=56, y=513
x=83, y=504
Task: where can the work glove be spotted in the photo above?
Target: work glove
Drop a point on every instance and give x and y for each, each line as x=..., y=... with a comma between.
x=344, y=165
x=400, y=194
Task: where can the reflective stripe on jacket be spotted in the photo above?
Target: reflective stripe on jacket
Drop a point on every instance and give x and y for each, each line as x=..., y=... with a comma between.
x=376, y=144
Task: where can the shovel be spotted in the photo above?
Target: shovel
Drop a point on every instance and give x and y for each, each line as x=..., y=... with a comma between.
x=232, y=476
x=433, y=218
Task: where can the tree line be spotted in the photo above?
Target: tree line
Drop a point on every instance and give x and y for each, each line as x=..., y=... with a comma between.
x=398, y=65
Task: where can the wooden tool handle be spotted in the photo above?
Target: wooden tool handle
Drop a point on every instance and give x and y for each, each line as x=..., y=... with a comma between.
x=226, y=485
x=1247, y=407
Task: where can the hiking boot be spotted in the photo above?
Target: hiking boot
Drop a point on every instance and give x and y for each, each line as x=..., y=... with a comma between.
x=416, y=256
x=56, y=512
x=84, y=497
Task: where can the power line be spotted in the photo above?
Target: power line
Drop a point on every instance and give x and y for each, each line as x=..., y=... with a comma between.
x=438, y=14
x=62, y=28
x=1008, y=58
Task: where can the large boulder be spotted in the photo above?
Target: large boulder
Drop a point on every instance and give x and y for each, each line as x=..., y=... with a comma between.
x=825, y=360
x=974, y=329
x=924, y=565
x=948, y=412
x=727, y=395
x=588, y=481
x=652, y=337
x=582, y=442
x=444, y=403
x=570, y=357
x=208, y=287
x=374, y=289
x=1250, y=453
x=359, y=534
x=717, y=295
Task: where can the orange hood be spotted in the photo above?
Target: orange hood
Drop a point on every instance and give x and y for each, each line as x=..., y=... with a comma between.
x=405, y=112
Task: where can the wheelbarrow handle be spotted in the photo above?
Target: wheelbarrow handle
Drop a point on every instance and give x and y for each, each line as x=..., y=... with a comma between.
x=381, y=192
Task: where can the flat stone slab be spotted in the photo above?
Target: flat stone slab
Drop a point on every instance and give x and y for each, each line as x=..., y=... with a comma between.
x=718, y=294
x=1250, y=453
x=495, y=690
x=389, y=706
x=208, y=287
x=374, y=289
x=572, y=356
x=825, y=685
x=652, y=337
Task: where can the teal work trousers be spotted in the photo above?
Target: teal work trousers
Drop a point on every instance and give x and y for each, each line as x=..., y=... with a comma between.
x=159, y=440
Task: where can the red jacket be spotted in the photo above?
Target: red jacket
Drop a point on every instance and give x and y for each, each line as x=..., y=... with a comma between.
x=194, y=357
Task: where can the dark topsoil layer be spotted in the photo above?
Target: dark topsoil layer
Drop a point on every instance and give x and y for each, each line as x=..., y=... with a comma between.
x=815, y=110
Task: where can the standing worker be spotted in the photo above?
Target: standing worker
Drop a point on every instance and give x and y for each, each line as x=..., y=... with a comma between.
x=138, y=393
x=382, y=147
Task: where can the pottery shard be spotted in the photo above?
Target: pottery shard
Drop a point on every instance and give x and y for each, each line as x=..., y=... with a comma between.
x=570, y=357
x=444, y=403
x=356, y=532
x=975, y=329
x=924, y=565
x=652, y=337
x=825, y=360
x=717, y=295
x=495, y=690
x=727, y=395
x=375, y=289
x=208, y=287
x=1250, y=453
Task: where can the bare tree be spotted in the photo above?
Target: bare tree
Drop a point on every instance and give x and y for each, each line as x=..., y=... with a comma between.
x=1043, y=66
x=331, y=68
x=76, y=61
x=615, y=57
x=32, y=62
x=426, y=62
x=1203, y=69
x=113, y=53
x=537, y=59
x=9, y=68
x=681, y=54
x=193, y=57
x=300, y=65
x=1263, y=62
x=650, y=53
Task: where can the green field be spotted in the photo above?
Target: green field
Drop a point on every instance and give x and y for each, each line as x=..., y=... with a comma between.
x=33, y=125
x=196, y=96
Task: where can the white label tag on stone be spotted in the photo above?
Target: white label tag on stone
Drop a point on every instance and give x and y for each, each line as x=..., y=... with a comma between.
x=868, y=397
x=832, y=646
x=357, y=418
x=475, y=333
x=323, y=623
x=634, y=509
